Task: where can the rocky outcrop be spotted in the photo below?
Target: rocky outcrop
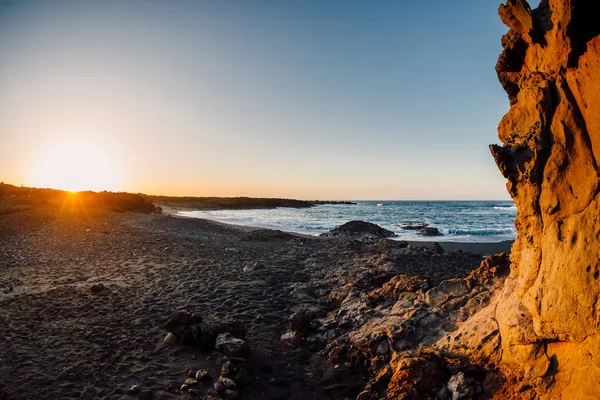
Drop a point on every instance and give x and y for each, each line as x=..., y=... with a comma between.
x=361, y=230
x=549, y=313
x=415, y=339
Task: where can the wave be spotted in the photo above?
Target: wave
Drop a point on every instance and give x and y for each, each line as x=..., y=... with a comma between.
x=505, y=208
x=480, y=232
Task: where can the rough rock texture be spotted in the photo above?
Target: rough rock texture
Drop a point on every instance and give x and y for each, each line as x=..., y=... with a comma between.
x=549, y=314
x=360, y=229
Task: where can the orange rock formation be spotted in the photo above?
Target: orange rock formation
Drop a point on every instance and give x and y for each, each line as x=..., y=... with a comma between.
x=549, y=311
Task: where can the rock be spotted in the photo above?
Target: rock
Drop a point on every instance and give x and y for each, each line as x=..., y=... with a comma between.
x=429, y=231
x=458, y=387
x=97, y=288
x=491, y=268
x=230, y=345
x=202, y=375
x=446, y=290
x=178, y=319
x=228, y=370
x=171, y=339
x=550, y=69
x=434, y=247
x=302, y=316
x=415, y=376
x=290, y=339
x=219, y=387
x=190, y=382
x=228, y=383
x=360, y=229
x=133, y=389
x=184, y=388
x=414, y=227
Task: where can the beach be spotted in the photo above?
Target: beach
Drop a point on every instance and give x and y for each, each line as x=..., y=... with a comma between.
x=85, y=295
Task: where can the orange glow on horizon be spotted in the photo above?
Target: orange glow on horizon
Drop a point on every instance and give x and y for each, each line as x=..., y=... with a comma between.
x=75, y=167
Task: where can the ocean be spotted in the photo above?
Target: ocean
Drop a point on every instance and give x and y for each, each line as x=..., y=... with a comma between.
x=458, y=221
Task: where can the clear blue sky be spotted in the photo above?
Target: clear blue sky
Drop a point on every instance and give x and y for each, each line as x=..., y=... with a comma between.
x=304, y=99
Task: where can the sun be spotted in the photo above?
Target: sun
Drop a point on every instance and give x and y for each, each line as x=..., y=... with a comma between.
x=75, y=166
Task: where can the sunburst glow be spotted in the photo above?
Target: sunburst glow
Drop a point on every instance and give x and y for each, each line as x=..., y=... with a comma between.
x=75, y=167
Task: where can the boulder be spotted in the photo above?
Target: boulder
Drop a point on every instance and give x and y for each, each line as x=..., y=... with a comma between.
x=230, y=345
x=360, y=229
x=429, y=231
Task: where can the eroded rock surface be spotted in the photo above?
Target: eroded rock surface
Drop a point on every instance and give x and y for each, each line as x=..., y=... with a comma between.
x=549, y=314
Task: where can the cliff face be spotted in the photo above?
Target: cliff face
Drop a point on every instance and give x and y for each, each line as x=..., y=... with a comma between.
x=549, y=314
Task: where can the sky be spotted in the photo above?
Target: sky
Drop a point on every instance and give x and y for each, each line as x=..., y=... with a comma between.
x=283, y=98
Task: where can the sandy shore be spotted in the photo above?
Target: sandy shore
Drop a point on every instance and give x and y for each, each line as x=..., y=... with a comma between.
x=62, y=340
x=480, y=248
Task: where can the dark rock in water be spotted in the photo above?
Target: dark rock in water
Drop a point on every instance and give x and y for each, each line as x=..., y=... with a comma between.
x=414, y=227
x=360, y=229
x=429, y=231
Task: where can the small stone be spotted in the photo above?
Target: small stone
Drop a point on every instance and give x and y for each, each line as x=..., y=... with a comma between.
x=97, y=288
x=228, y=369
x=213, y=393
x=184, y=388
x=230, y=345
x=194, y=392
x=135, y=389
x=190, y=382
x=382, y=347
x=171, y=339
x=202, y=375
x=290, y=339
x=219, y=387
x=228, y=383
x=459, y=387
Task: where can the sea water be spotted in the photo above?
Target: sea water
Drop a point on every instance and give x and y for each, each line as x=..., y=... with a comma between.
x=458, y=221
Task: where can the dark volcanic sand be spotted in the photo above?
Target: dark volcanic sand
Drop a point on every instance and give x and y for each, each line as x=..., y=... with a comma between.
x=60, y=340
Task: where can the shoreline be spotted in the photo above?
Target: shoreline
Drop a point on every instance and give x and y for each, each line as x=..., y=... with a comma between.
x=485, y=248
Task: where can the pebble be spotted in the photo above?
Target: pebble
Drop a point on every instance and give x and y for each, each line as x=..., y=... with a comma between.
x=134, y=389
x=190, y=382
x=219, y=387
x=97, y=287
x=171, y=339
x=202, y=375
x=228, y=383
